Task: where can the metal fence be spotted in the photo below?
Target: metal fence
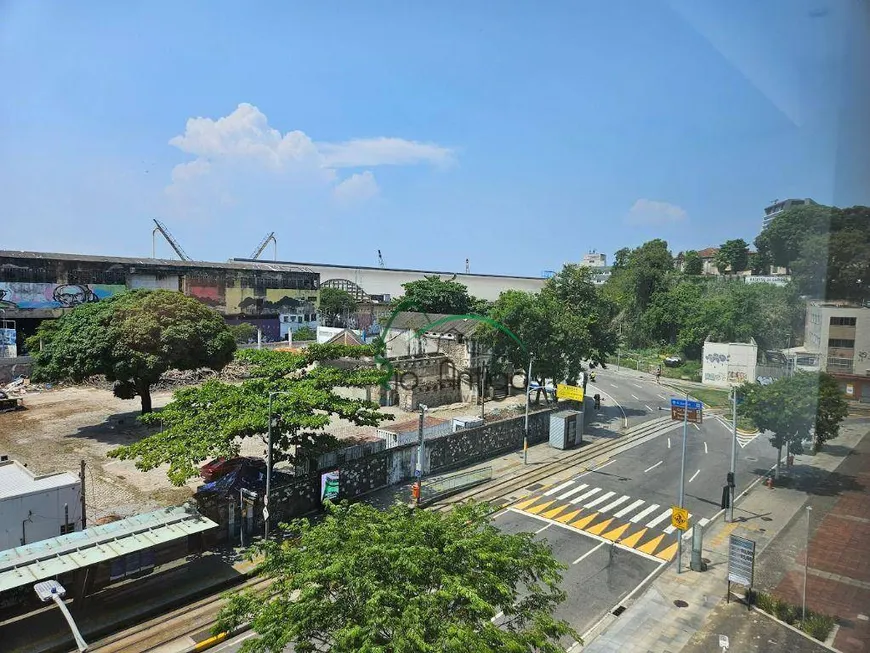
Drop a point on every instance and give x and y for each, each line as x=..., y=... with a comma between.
x=444, y=486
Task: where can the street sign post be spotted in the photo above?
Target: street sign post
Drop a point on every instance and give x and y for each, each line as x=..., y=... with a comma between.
x=741, y=562
x=572, y=392
x=679, y=518
x=679, y=410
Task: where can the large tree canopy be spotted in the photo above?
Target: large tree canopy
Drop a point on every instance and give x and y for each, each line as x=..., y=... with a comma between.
x=212, y=419
x=693, y=265
x=404, y=581
x=335, y=305
x=795, y=409
x=733, y=256
x=826, y=249
x=433, y=294
x=132, y=338
x=568, y=322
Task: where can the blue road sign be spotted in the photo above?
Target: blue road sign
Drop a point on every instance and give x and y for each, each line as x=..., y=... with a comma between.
x=681, y=403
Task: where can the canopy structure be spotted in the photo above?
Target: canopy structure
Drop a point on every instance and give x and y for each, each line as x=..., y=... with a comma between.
x=38, y=561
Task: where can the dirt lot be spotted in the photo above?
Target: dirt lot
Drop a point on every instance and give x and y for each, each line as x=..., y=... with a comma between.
x=62, y=426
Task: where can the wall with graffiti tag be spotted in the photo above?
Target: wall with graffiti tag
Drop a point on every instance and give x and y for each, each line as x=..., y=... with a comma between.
x=49, y=295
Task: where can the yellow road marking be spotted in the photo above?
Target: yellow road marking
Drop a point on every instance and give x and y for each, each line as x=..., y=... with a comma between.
x=598, y=529
x=538, y=508
x=651, y=546
x=522, y=505
x=550, y=514
x=632, y=540
x=583, y=521
x=615, y=533
x=568, y=516
x=668, y=553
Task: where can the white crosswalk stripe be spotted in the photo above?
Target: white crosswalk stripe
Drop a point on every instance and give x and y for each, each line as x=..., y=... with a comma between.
x=665, y=515
x=670, y=529
x=572, y=492
x=558, y=488
x=629, y=508
x=613, y=504
x=594, y=490
x=601, y=499
x=643, y=513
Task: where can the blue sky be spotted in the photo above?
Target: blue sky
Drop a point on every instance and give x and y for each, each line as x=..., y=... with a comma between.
x=517, y=134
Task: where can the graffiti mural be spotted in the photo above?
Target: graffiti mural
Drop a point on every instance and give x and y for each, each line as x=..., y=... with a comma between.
x=42, y=296
x=210, y=295
x=246, y=301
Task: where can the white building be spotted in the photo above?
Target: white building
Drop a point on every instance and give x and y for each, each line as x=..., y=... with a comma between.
x=778, y=206
x=729, y=363
x=35, y=508
x=594, y=260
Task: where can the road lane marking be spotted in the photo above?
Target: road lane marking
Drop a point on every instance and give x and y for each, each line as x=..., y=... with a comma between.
x=696, y=426
x=663, y=397
x=574, y=491
x=587, y=495
x=613, y=504
x=604, y=497
x=497, y=617
x=665, y=515
x=609, y=462
x=648, y=407
x=669, y=442
x=694, y=476
x=613, y=386
x=558, y=488
x=636, y=398
x=629, y=508
x=541, y=530
x=618, y=405
x=588, y=553
x=637, y=385
x=643, y=513
x=705, y=447
x=653, y=467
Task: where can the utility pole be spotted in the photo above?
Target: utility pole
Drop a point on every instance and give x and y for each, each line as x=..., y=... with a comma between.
x=682, y=482
x=526, y=429
x=483, y=394
x=268, y=470
x=731, y=478
x=806, y=567
x=420, y=444
x=84, y=502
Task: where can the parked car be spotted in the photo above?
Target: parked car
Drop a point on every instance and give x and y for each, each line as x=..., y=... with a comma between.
x=673, y=361
x=219, y=467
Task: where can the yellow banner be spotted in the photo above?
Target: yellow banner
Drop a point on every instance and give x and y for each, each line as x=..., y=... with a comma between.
x=573, y=392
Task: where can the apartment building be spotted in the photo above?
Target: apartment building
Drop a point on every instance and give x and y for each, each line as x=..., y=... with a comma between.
x=839, y=332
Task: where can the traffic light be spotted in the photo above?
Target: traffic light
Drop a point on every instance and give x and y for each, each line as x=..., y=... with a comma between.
x=730, y=479
x=726, y=496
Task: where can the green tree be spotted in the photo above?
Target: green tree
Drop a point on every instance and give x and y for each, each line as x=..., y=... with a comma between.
x=304, y=333
x=243, y=332
x=795, y=409
x=132, y=338
x=335, y=306
x=760, y=262
x=212, y=419
x=433, y=294
x=692, y=263
x=733, y=255
x=403, y=580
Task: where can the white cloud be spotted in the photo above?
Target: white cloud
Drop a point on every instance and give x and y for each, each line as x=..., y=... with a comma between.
x=241, y=152
x=653, y=212
x=359, y=187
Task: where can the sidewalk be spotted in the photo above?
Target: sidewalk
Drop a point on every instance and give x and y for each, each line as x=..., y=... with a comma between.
x=656, y=623
x=119, y=607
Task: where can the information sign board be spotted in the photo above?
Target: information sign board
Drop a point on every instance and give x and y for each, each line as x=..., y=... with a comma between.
x=741, y=561
x=572, y=392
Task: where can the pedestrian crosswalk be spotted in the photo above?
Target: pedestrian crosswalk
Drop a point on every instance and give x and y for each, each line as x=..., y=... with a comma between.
x=635, y=523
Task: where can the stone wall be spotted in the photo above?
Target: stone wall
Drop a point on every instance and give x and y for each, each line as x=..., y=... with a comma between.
x=11, y=368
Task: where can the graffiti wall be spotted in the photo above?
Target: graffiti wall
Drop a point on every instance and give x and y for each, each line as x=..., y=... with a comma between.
x=44, y=296
x=247, y=301
x=726, y=364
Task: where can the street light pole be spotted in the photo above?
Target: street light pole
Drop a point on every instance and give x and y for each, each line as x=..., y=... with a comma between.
x=733, y=452
x=682, y=482
x=420, y=444
x=806, y=567
x=268, y=467
x=526, y=429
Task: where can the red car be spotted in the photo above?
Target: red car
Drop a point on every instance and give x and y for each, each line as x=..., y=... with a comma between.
x=218, y=467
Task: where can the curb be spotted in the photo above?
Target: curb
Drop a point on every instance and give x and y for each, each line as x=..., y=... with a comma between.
x=216, y=639
x=755, y=608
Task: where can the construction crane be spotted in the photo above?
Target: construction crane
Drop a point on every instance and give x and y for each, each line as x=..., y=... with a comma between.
x=381, y=259
x=259, y=249
x=163, y=229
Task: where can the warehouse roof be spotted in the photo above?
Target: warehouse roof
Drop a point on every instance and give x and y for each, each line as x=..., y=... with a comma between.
x=16, y=480
x=434, y=322
x=37, y=561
